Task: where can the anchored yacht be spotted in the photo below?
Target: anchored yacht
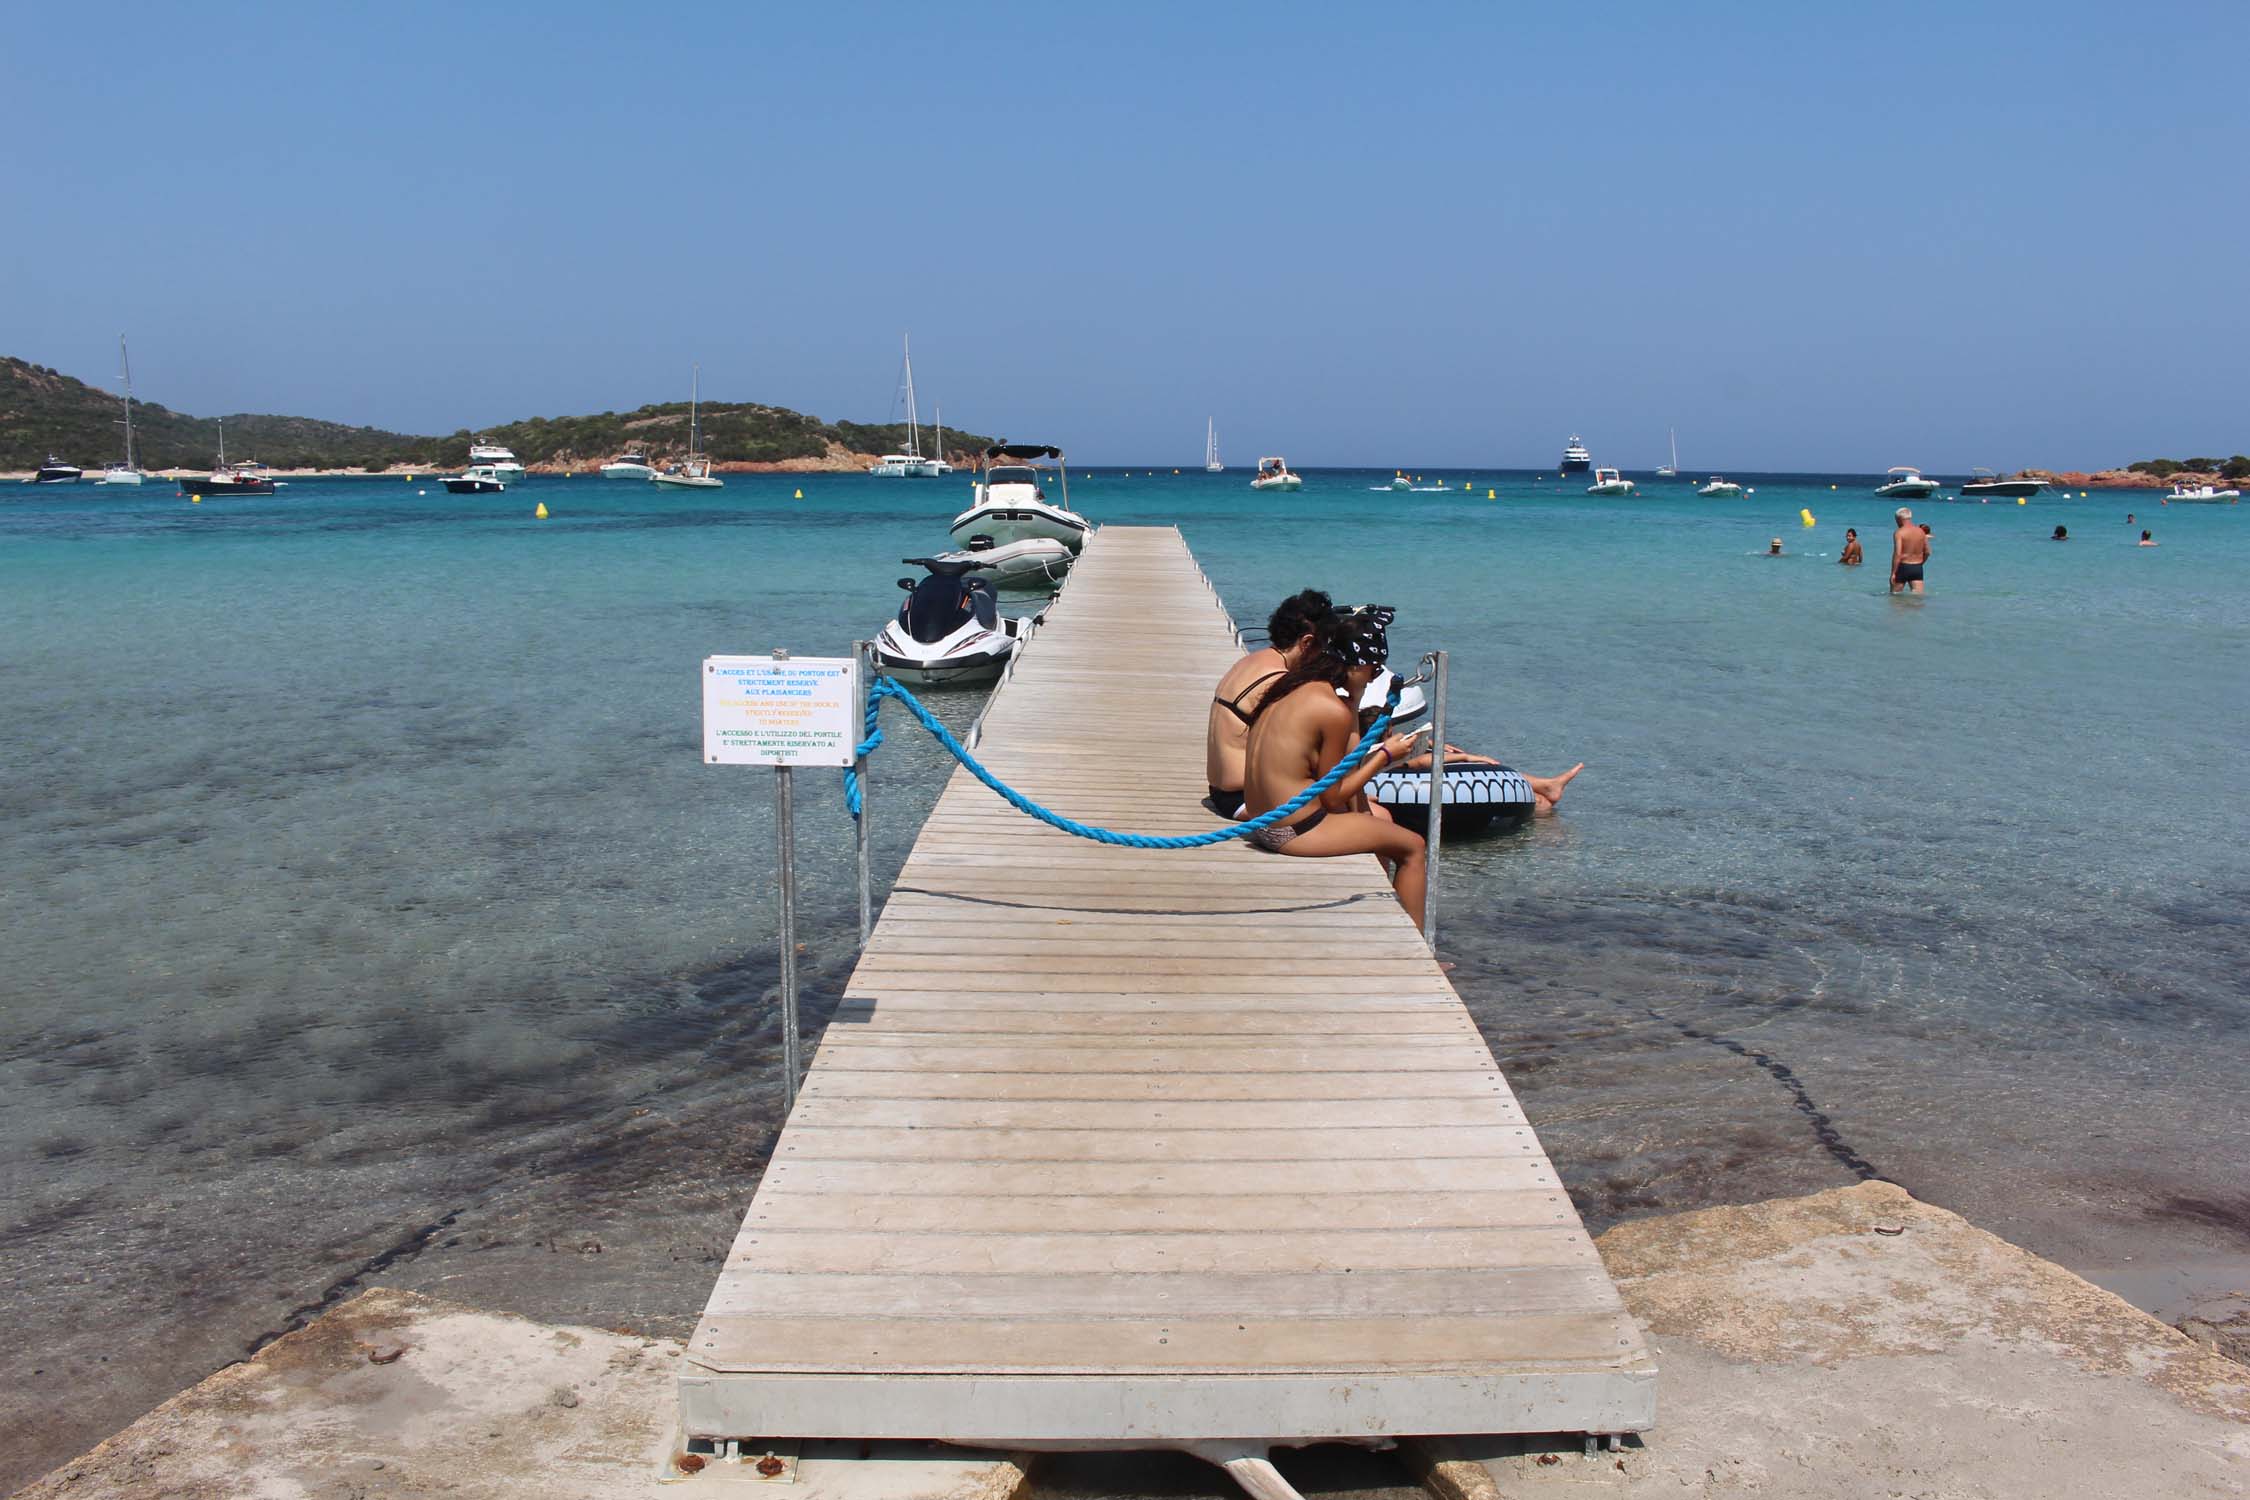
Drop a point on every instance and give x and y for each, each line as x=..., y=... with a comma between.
x=1609, y=482
x=2201, y=494
x=694, y=472
x=1575, y=458
x=1011, y=502
x=477, y=479
x=1906, y=483
x=128, y=472
x=910, y=464
x=634, y=465
x=232, y=479
x=55, y=471
x=1986, y=485
x=497, y=458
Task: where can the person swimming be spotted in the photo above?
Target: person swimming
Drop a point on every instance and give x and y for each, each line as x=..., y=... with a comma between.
x=1303, y=727
x=1775, y=549
x=2062, y=534
x=1853, y=556
x=1290, y=632
x=2147, y=540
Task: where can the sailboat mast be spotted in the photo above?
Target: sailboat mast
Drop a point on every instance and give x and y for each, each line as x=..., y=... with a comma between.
x=913, y=432
x=1675, y=449
x=941, y=434
x=125, y=367
x=695, y=395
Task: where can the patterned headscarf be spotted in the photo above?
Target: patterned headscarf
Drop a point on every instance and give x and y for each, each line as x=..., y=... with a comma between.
x=1365, y=627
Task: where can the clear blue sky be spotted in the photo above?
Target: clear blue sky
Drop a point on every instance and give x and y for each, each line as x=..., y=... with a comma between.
x=1809, y=235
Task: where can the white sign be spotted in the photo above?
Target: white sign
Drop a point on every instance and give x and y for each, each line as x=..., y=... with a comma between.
x=798, y=711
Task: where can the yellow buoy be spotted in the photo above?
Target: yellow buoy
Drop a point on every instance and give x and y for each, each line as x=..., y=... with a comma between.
x=2021, y=501
x=410, y=479
x=1489, y=495
x=799, y=495
x=541, y=512
x=1832, y=486
x=195, y=499
x=1807, y=515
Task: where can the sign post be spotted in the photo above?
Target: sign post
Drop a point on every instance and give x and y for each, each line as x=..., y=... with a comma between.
x=863, y=653
x=1436, y=835
x=784, y=712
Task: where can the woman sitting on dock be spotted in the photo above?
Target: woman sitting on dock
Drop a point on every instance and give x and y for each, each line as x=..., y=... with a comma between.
x=1303, y=726
x=1290, y=633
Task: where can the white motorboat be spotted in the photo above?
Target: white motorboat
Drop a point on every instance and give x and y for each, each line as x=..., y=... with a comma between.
x=1718, y=488
x=1906, y=483
x=1273, y=474
x=1011, y=502
x=2201, y=494
x=496, y=458
x=950, y=630
x=1575, y=458
x=1986, y=485
x=477, y=479
x=694, y=471
x=1609, y=482
x=634, y=465
x=1672, y=469
x=1211, y=464
x=55, y=471
x=910, y=464
x=128, y=472
x=1035, y=562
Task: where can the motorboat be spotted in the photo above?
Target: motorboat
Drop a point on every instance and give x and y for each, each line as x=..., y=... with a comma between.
x=1401, y=482
x=910, y=464
x=950, y=630
x=1672, y=469
x=1011, y=502
x=1906, y=483
x=232, y=479
x=1609, y=482
x=477, y=479
x=1720, y=488
x=1575, y=458
x=1035, y=562
x=1273, y=474
x=634, y=465
x=55, y=471
x=694, y=471
x=2200, y=494
x=496, y=458
x=1986, y=485
x=128, y=472
x=1211, y=463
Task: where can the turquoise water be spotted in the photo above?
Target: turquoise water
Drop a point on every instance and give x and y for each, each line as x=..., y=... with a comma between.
x=366, y=895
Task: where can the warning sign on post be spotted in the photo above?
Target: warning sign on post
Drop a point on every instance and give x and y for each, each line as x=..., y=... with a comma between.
x=797, y=711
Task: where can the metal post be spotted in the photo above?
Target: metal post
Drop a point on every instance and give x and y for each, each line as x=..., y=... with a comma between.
x=863, y=654
x=783, y=815
x=1436, y=836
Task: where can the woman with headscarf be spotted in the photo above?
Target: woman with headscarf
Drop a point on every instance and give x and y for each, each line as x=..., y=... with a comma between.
x=1306, y=724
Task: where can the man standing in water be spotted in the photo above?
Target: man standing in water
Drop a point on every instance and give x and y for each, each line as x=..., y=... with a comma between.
x=1910, y=549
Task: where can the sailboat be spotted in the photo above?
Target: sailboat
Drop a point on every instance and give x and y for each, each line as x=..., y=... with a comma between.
x=1211, y=464
x=695, y=472
x=938, y=465
x=910, y=464
x=1672, y=469
x=128, y=472
x=232, y=479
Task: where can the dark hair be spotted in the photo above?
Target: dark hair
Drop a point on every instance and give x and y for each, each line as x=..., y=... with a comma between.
x=1296, y=616
x=1324, y=663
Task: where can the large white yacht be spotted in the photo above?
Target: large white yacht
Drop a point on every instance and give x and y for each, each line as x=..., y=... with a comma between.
x=1575, y=458
x=1906, y=483
x=496, y=458
x=633, y=465
x=1011, y=501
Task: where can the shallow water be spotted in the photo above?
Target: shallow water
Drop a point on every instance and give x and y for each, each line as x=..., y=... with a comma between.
x=368, y=903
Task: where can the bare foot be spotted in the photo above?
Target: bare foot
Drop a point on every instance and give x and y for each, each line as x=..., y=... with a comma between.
x=1549, y=789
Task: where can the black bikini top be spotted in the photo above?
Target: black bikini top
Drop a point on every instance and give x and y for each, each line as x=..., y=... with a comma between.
x=1234, y=705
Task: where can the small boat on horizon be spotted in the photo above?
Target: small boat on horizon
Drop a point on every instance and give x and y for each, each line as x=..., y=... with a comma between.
x=249, y=478
x=910, y=464
x=1609, y=482
x=1576, y=458
x=1211, y=464
x=1010, y=501
x=55, y=471
x=1273, y=474
x=694, y=472
x=1672, y=469
x=477, y=479
x=1908, y=484
x=1719, y=487
x=2201, y=494
x=128, y=472
x=1986, y=485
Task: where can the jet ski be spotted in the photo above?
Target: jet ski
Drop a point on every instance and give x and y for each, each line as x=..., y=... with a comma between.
x=1033, y=562
x=950, y=629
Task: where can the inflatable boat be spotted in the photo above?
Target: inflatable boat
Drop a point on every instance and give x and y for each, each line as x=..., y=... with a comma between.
x=1478, y=797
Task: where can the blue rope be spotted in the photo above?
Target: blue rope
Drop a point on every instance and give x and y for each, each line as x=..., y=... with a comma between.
x=885, y=687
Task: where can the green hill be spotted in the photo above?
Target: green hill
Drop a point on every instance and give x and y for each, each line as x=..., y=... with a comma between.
x=43, y=411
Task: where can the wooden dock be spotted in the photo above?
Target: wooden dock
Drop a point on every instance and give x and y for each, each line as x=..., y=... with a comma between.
x=1114, y=1147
